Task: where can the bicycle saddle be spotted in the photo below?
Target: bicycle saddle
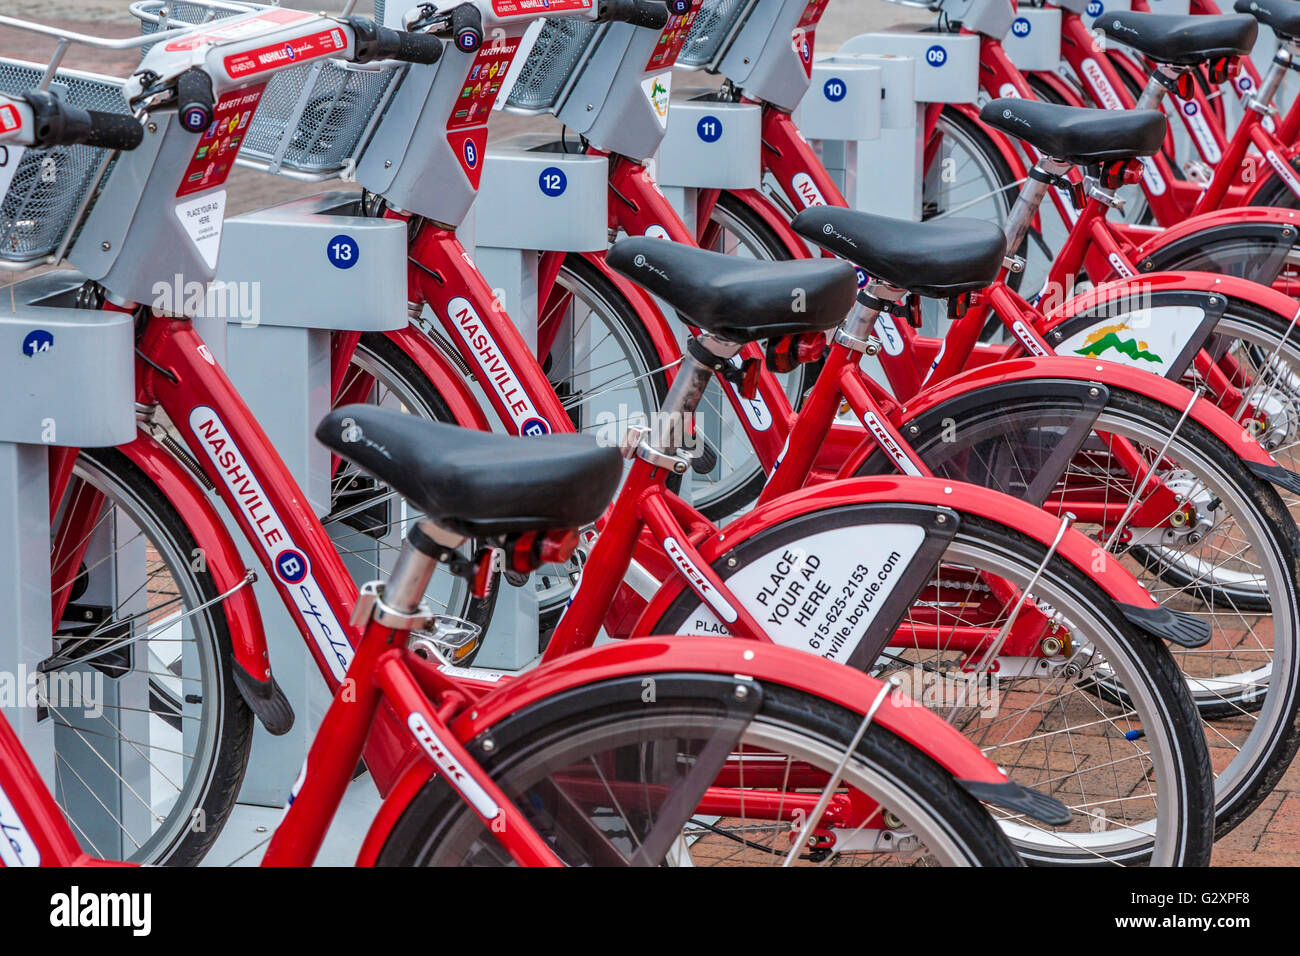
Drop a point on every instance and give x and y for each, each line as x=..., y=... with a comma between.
x=1282, y=16
x=937, y=259
x=477, y=483
x=1181, y=40
x=1076, y=134
x=741, y=300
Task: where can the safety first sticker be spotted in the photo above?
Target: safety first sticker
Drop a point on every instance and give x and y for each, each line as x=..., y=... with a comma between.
x=277, y=55
x=467, y=126
x=672, y=39
x=215, y=153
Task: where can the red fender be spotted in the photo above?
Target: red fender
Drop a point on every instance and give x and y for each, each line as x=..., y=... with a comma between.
x=1074, y=547
x=1267, y=219
x=443, y=374
x=775, y=219
x=1078, y=369
x=656, y=323
x=765, y=662
x=247, y=635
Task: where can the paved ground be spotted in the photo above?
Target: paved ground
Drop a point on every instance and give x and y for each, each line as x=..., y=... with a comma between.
x=1270, y=837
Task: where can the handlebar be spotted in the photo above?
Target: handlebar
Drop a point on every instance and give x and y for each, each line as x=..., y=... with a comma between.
x=57, y=124
x=374, y=42
x=195, y=101
x=640, y=13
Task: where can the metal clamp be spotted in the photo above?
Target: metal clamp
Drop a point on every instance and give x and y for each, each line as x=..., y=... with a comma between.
x=370, y=606
x=637, y=445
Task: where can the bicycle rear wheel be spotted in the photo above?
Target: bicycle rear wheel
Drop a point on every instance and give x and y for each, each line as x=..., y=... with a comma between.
x=594, y=771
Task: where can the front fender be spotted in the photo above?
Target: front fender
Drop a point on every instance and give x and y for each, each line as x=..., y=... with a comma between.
x=768, y=663
x=229, y=576
x=1264, y=224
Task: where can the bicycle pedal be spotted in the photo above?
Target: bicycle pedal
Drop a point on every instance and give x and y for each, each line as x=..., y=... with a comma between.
x=705, y=460
x=452, y=639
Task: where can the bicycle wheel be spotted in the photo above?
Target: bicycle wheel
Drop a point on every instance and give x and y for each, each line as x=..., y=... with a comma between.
x=593, y=772
x=153, y=775
x=368, y=520
x=1232, y=563
x=1135, y=772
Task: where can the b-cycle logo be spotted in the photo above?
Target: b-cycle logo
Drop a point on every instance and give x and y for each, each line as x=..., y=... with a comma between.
x=1195, y=119
x=452, y=771
x=17, y=848
x=290, y=563
x=496, y=370
x=699, y=583
x=755, y=409
x=890, y=338
x=807, y=191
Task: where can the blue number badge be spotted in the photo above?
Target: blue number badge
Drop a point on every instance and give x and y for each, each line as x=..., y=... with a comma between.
x=836, y=89
x=936, y=55
x=1095, y=8
x=1020, y=27
x=37, y=340
x=553, y=181
x=343, y=252
x=710, y=129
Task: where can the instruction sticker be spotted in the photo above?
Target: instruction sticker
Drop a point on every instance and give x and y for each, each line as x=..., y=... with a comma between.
x=672, y=39
x=202, y=218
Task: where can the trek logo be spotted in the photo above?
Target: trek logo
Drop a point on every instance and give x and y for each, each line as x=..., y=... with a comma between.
x=887, y=443
x=695, y=577
x=17, y=848
x=452, y=771
x=1028, y=339
x=1119, y=265
x=1284, y=171
x=496, y=370
x=77, y=909
x=290, y=563
x=807, y=191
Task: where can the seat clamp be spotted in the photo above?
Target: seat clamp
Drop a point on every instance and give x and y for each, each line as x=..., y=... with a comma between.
x=370, y=606
x=869, y=346
x=636, y=444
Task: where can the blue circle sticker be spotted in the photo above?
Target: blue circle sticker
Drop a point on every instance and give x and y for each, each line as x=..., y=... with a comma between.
x=679, y=6
x=343, y=252
x=470, y=152
x=835, y=89
x=291, y=566
x=936, y=55
x=534, y=427
x=710, y=129
x=1020, y=27
x=553, y=181
x=1095, y=8
x=37, y=340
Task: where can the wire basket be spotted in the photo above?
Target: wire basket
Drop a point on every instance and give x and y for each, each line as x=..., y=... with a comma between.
x=714, y=23
x=313, y=119
x=558, y=54
x=52, y=186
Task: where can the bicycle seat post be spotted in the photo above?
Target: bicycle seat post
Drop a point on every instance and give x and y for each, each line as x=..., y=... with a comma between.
x=1044, y=174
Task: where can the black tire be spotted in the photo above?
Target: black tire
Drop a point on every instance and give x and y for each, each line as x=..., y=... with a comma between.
x=1183, y=782
x=423, y=398
x=215, y=794
x=1275, y=738
x=438, y=829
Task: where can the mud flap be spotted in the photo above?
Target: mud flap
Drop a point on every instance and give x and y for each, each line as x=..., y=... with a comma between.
x=1278, y=475
x=1014, y=797
x=265, y=699
x=1172, y=626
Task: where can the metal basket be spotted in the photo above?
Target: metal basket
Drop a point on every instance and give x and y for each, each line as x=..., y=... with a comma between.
x=714, y=25
x=52, y=186
x=557, y=56
x=312, y=120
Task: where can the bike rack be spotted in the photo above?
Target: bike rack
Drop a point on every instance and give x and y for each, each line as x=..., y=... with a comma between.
x=311, y=266
x=69, y=378
x=860, y=115
x=534, y=196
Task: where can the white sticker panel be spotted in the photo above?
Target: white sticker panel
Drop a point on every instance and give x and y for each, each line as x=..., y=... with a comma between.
x=820, y=593
x=202, y=218
x=1149, y=339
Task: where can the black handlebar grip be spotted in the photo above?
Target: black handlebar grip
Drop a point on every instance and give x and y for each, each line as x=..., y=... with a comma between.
x=640, y=13
x=59, y=124
x=194, y=99
x=113, y=130
x=467, y=27
x=418, y=48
